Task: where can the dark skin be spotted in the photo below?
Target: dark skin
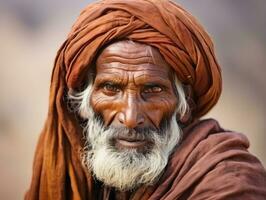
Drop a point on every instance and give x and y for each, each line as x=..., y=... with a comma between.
x=133, y=88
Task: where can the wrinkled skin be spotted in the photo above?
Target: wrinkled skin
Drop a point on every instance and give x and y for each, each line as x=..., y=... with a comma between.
x=133, y=88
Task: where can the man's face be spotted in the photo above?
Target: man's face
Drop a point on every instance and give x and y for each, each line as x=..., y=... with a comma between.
x=133, y=88
x=129, y=144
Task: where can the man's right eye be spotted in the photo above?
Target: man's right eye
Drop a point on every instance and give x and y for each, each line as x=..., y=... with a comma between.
x=109, y=87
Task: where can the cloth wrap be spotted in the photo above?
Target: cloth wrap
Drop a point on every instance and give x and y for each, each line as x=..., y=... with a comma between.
x=57, y=169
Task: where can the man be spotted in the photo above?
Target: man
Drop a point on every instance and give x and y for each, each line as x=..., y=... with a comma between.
x=128, y=89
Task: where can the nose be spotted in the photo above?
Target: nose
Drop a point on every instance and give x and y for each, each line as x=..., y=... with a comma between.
x=131, y=114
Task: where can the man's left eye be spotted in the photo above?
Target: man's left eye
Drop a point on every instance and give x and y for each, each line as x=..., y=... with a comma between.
x=152, y=89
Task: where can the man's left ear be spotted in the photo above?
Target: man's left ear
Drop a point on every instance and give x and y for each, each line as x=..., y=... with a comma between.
x=188, y=117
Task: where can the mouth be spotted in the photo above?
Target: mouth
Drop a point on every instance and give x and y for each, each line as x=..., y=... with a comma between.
x=131, y=139
x=130, y=143
x=124, y=143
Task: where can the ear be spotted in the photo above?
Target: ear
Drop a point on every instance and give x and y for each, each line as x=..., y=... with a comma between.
x=187, y=117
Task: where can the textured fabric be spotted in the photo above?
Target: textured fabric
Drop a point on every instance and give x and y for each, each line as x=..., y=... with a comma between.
x=209, y=164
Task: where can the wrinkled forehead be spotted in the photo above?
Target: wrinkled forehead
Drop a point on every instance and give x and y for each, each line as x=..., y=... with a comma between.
x=131, y=53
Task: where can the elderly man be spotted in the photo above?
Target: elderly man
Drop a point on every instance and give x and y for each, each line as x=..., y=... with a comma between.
x=128, y=89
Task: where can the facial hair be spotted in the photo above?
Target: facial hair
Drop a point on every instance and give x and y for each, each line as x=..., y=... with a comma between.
x=128, y=169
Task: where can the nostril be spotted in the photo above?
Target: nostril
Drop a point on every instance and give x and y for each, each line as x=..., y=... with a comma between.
x=141, y=120
x=121, y=121
x=121, y=118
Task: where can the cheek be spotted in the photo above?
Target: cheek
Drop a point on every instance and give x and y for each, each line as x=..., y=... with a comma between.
x=104, y=105
x=160, y=108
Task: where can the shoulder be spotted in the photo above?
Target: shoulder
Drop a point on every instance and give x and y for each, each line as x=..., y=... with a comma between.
x=231, y=172
x=212, y=163
x=239, y=177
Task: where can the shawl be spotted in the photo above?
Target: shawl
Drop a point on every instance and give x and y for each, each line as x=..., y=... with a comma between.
x=194, y=170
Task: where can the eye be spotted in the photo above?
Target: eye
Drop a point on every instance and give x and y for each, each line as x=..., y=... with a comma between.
x=152, y=89
x=110, y=87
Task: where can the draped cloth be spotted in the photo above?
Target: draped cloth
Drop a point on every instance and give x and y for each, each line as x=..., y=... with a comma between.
x=209, y=163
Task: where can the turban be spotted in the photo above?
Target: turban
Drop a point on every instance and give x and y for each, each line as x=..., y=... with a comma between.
x=186, y=47
x=184, y=44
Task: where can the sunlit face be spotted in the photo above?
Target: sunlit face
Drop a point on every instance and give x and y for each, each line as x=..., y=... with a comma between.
x=131, y=108
x=132, y=89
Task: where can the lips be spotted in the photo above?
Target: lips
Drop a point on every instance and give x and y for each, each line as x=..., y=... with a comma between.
x=140, y=144
x=131, y=143
x=125, y=139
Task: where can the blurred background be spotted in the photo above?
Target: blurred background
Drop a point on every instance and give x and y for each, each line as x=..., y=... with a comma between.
x=32, y=31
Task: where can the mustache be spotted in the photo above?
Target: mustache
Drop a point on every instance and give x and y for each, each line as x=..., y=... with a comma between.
x=164, y=124
x=134, y=134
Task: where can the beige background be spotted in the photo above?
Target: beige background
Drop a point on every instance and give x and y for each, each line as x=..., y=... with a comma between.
x=32, y=31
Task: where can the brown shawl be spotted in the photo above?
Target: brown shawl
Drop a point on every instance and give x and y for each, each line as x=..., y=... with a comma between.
x=206, y=164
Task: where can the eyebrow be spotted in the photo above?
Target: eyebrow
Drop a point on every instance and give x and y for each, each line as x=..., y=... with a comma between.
x=152, y=79
x=109, y=78
x=115, y=80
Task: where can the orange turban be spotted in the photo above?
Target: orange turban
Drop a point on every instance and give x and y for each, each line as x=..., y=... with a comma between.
x=183, y=43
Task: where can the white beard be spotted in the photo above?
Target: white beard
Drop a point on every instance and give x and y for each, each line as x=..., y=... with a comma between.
x=128, y=169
